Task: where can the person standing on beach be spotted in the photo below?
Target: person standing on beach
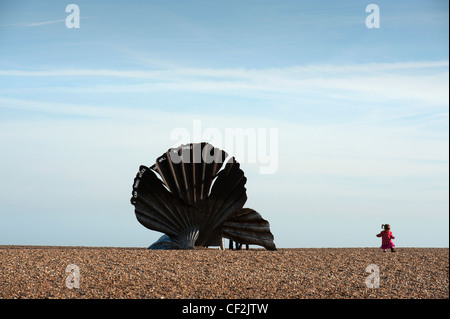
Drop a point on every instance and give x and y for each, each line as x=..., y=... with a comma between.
x=386, y=238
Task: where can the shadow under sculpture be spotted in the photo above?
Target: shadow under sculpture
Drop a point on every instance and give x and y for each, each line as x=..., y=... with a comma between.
x=196, y=198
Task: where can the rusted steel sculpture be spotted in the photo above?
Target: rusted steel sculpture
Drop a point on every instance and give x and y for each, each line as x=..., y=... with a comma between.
x=196, y=199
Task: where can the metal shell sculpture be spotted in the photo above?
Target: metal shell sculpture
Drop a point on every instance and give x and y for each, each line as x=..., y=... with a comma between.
x=196, y=199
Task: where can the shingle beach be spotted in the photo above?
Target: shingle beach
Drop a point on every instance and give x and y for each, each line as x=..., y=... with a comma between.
x=40, y=272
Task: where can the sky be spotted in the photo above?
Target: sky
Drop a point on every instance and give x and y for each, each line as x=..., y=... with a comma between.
x=347, y=126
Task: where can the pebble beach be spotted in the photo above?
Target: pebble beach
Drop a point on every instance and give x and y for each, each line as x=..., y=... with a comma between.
x=299, y=273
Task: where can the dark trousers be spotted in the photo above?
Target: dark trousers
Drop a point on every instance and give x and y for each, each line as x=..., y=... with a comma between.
x=238, y=246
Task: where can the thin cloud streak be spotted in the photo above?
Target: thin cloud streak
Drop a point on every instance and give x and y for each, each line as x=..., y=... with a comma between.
x=36, y=24
x=366, y=82
x=233, y=72
x=429, y=89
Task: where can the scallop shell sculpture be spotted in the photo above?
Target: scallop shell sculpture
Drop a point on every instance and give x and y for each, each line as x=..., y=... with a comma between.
x=196, y=199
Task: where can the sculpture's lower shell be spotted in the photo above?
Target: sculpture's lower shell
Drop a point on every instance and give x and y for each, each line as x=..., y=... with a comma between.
x=248, y=227
x=185, y=240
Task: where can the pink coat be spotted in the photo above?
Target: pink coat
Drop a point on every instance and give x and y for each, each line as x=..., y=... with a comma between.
x=386, y=242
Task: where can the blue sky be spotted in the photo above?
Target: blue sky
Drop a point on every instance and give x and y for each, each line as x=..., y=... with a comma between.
x=362, y=114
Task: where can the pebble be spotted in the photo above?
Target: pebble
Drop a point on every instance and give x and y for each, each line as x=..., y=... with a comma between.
x=104, y=272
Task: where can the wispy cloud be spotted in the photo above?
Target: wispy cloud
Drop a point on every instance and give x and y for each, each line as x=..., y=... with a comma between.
x=40, y=23
x=423, y=81
x=236, y=72
x=36, y=24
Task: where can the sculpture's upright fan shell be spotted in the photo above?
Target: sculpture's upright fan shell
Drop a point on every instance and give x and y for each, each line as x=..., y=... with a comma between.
x=197, y=199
